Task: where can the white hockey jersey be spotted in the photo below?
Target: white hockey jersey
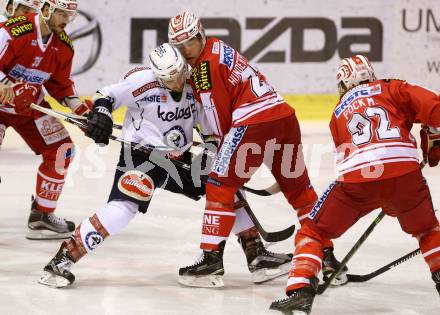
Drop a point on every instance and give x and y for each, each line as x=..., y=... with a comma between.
x=153, y=117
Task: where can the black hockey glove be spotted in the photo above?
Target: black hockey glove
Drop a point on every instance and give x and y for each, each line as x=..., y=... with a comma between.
x=100, y=122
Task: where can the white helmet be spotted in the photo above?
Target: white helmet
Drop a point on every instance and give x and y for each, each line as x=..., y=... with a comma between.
x=352, y=72
x=183, y=27
x=33, y=4
x=70, y=6
x=168, y=64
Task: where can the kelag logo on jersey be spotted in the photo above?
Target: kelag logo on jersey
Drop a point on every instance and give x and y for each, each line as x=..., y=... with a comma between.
x=201, y=77
x=178, y=113
x=354, y=94
x=29, y=75
x=227, y=56
x=228, y=148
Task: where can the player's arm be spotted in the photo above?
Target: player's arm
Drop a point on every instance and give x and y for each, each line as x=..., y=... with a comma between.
x=105, y=101
x=425, y=104
x=6, y=89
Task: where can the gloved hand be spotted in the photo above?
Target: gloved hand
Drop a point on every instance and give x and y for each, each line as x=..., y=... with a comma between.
x=84, y=108
x=430, y=144
x=100, y=125
x=24, y=95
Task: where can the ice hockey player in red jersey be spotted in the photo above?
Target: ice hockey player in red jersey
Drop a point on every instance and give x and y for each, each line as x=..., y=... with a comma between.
x=255, y=125
x=378, y=168
x=36, y=52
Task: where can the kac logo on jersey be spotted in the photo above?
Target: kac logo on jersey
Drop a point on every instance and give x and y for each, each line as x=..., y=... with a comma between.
x=227, y=56
x=228, y=148
x=354, y=94
x=29, y=75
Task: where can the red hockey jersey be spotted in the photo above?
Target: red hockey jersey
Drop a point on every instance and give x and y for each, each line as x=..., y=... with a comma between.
x=24, y=56
x=371, y=129
x=233, y=92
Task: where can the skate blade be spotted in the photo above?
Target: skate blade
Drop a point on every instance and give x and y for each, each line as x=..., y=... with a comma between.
x=46, y=235
x=53, y=281
x=202, y=282
x=267, y=274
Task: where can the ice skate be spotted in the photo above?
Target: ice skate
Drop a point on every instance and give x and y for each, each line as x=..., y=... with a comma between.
x=263, y=264
x=57, y=272
x=47, y=226
x=207, y=272
x=436, y=278
x=299, y=301
x=329, y=265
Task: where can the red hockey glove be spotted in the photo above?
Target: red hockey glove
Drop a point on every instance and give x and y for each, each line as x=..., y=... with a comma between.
x=25, y=95
x=430, y=144
x=84, y=108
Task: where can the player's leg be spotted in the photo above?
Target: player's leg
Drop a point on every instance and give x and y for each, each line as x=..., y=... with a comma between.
x=289, y=169
x=263, y=264
x=332, y=215
x=46, y=135
x=219, y=215
x=413, y=207
x=132, y=190
x=2, y=132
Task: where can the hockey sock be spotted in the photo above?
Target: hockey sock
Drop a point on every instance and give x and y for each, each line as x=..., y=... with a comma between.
x=50, y=177
x=92, y=231
x=430, y=247
x=242, y=220
x=307, y=259
x=219, y=216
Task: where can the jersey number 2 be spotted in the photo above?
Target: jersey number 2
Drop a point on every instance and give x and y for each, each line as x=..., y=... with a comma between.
x=360, y=126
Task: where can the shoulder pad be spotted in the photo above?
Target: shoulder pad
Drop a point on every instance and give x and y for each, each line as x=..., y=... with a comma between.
x=66, y=40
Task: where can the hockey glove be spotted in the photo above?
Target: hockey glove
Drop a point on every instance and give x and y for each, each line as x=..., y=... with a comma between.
x=24, y=95
x=84, y=108
x=430, y=144
x=100, y=123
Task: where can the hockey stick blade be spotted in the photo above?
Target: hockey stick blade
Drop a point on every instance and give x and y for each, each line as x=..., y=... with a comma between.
x=271, y=237
x=391, y=265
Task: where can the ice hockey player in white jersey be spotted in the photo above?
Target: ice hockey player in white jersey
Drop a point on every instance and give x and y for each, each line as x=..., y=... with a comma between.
x=162, y=113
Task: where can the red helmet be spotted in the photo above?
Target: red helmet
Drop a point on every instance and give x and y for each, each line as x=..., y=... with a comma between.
x=352, y=72
x=183, y=27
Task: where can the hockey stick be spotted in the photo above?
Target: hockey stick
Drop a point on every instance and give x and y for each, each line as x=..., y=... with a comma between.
x=353, y=250
x=267, y=236
x=81, y=122
x=391, y=265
